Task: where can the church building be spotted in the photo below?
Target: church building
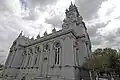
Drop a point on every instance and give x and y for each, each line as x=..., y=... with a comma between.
x=56, y=56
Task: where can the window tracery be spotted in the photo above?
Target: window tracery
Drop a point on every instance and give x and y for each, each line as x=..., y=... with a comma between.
x=57, y=48
x=30, y=51
x=45, y=47
x=37, y=49
x=35, y=60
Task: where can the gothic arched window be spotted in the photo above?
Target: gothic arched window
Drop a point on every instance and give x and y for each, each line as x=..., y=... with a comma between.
x=45, y=47
x=37, y=49
x=30, y=51
x=38, y=53
x=57, y=50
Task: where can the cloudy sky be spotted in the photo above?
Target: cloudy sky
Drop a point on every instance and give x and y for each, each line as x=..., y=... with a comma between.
x=102, y=19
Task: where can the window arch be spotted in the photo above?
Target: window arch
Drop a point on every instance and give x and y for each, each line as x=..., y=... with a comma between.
x=46, y=47
x=37, y=49
x=38, y=53
x=57, y=51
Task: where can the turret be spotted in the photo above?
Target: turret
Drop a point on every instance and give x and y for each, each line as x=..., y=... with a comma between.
x=73, y=20
x=16, y=50
x=54, y=30
x=38, y=36
x=45, y=34
x=32, y=39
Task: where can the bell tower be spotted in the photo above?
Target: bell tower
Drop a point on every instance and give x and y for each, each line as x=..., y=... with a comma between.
x=74, y=20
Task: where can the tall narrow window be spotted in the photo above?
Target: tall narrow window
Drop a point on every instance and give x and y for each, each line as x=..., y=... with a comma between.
x=29, y=56
x=38, y=52
x=55, y=56
x=57, y=52
x=35, y=60
x=77, y=56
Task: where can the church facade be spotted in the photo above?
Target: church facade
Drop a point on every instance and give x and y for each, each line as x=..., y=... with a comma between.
x=55, y=56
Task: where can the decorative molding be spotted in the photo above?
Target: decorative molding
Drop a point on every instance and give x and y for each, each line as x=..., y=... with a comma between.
x=70, y=36
x=63, y=38
x=53, y=66
x=57, y=44
x=58, y=34
x=46, y=47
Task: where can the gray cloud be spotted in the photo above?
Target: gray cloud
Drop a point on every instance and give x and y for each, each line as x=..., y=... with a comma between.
x=10, y=26
x=113, y=39
x=32, y=16
x=110, y=38
x=55, y=21
x=93, y=30
x=88, y=8
x=1, y=50
x=95, y=36
x=41, y=3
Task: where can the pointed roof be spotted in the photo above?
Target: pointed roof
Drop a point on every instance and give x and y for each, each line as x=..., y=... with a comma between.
x=20, y=34
x=32, y=38
x=38, y=36
x=72, y=8
x=45, y=33
x=54, y=30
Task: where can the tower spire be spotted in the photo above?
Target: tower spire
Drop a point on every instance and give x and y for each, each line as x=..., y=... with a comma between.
x=20, y=34
x=45, y=33
x=72, y=15
x=54, y=30
x=38, y=36
x=71, y=3
x=72, y=11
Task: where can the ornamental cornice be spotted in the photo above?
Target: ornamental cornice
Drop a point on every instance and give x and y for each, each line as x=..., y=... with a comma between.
x=52, y=36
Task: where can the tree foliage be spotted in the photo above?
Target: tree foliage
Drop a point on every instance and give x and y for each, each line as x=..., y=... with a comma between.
x=105, y=60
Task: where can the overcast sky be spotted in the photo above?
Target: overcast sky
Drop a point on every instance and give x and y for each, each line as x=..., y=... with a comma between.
x=102, y=19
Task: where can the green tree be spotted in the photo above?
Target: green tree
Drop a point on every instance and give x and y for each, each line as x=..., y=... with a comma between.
x=105, y=60
x=100, y=63
x=115, y=63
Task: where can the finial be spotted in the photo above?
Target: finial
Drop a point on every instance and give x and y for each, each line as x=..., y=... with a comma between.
x=20, y=34
x=45, y=34
x=32, y=38
x=38, y=36
x=71, y=6
x=54, y=30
